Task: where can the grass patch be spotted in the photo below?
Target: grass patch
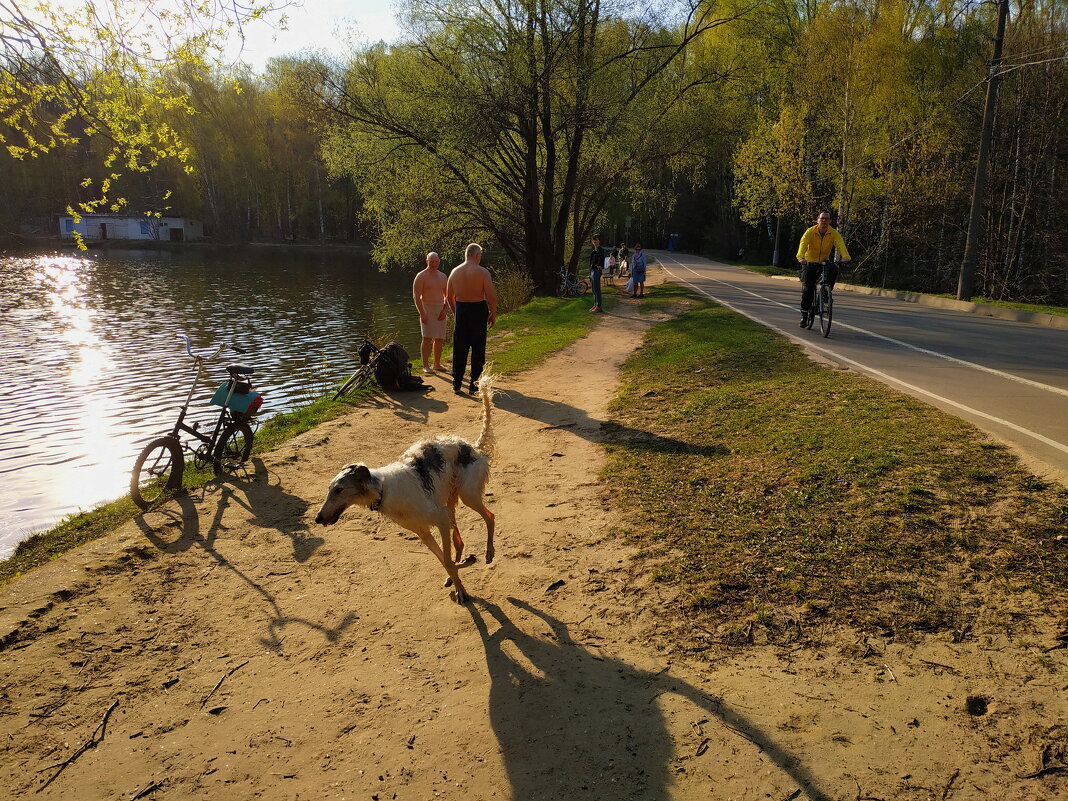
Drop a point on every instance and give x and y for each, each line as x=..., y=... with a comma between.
x=526, y=337
x=763, y=481
x=520, y=339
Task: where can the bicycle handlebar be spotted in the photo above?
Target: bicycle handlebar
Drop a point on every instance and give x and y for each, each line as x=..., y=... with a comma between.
x=214, y=356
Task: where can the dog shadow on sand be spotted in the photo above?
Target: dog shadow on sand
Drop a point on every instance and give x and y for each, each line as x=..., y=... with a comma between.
x=273, y=509
x=572, y=724
x=559, y=415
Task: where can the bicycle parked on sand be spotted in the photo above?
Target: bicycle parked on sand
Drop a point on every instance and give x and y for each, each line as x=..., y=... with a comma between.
x=571, y=286
x=822, y=303
x=160, y=466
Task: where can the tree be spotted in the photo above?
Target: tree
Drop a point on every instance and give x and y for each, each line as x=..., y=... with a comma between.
x=516, y=120
x=68, y=72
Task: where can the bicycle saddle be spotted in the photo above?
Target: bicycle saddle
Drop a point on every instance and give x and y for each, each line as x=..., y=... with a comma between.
x=237, y=369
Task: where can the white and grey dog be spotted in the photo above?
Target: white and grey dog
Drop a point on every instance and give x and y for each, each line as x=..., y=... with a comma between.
x=420, y=490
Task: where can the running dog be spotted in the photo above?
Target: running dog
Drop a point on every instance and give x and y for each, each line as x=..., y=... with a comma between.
x=420, y=490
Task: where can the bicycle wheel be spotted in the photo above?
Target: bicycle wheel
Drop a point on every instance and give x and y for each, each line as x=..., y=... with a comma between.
x=582, y=287
x=826, y=310
x=157, y=472
x=235, y=445
x=356, y=380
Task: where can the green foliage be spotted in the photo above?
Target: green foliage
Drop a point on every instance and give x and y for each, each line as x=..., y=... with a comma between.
x=64, y=82
x=516, y=126
x=514, y=288
x=769, y=171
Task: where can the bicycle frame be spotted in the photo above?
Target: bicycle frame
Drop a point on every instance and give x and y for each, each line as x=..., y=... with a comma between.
x=569, y=282
x=225, y=413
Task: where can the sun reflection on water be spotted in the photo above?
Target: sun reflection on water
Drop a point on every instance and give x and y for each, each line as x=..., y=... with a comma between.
x=77, y=345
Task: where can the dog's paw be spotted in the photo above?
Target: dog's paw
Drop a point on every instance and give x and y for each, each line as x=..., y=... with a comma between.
x=489, y=555
x=460, y=596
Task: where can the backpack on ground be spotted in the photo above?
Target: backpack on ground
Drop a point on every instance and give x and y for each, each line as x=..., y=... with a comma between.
x=394, y=371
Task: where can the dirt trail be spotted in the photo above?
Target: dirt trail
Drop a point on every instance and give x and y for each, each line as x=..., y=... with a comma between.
x=254, y=655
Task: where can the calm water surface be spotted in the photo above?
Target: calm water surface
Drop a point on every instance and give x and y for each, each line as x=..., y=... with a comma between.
x=92, y=371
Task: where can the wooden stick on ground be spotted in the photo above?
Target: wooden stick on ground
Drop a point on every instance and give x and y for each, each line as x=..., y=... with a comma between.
x=101, y=729
x=220, y=681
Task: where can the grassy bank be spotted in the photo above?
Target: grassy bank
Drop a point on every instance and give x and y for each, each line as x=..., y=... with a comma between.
x=771, y=491
x=520, y=339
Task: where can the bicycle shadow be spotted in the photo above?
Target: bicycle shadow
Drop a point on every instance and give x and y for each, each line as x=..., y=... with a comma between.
x=574, y=724
x=557, y=414
x=187, y=518
x=273, y=508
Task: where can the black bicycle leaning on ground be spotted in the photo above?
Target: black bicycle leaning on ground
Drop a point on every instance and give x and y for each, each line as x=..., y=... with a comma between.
x=369, y=354
x=160, y=466
x=823, y=302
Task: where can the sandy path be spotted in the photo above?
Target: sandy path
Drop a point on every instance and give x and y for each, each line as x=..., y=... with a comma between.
x=346, y=671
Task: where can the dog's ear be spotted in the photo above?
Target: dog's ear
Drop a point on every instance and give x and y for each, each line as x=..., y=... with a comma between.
x=358, y=470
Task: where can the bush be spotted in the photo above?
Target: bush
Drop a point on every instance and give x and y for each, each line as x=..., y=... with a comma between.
x=514, y=288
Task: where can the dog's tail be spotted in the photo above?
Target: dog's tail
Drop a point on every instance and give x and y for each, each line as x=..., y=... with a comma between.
x=486, y=390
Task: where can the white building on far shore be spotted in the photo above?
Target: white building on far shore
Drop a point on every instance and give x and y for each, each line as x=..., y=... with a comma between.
x=101, y=227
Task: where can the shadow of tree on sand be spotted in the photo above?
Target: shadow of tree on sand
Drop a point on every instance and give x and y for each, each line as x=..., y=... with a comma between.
x=572, y=724
x=557, y=414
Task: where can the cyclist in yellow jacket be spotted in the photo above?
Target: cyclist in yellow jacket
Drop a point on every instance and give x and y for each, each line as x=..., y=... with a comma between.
x=815, y=248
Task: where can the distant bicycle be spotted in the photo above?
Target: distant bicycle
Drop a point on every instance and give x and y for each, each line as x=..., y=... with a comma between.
x=822, y=303
x=160, y=466
x=571, y=286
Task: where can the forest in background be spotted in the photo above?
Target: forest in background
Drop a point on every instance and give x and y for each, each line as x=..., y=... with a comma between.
x=530, y=124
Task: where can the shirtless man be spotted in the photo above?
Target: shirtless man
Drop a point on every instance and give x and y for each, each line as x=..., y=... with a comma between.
x=473, y=301
x=428, y=291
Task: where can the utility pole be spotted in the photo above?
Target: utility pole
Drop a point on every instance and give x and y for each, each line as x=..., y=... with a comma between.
x=966, y=284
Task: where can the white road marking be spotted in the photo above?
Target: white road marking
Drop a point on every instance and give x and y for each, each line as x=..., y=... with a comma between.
x=883, y=376
x=925, y=351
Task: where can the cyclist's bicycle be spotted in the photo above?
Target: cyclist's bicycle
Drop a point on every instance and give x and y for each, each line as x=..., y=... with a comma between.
x=369, y=354
x=160, y=465
x=822, y=303
x=571, y=286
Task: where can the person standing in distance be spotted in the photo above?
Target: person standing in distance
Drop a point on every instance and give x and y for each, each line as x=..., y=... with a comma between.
x=815, y=248
x=597, y=257
x=473, y=300
x=428, y=292
x=637, y=271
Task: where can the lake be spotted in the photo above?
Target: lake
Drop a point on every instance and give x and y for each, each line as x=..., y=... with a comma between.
x=92, y=369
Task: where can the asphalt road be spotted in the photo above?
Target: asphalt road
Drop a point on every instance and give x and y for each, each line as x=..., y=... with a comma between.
x=1008, y=378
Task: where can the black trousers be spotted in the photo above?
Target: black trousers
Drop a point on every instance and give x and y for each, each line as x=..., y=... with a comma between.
x=810, y=276
x=469, y=336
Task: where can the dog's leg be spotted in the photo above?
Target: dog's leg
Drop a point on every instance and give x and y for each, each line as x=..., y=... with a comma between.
x=457, y=541
x=445, y=557
x=475, y=502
